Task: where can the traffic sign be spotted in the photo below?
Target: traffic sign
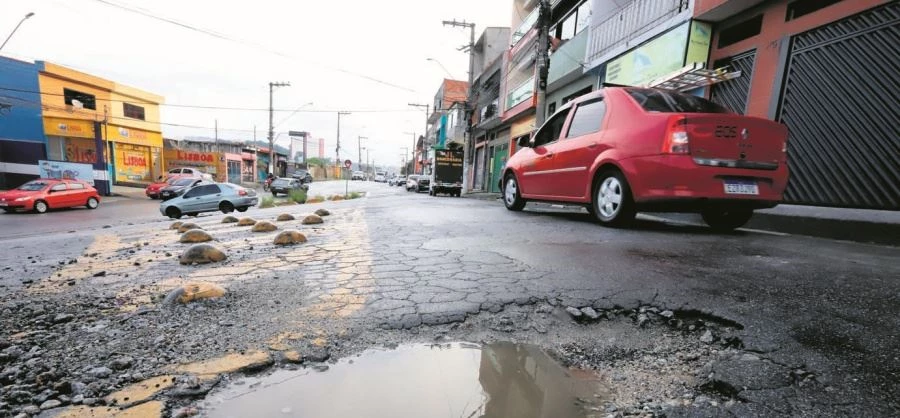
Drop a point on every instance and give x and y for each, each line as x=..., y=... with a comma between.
x=348, y=163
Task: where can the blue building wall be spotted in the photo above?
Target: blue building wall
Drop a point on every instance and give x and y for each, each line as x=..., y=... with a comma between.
x=22, y=139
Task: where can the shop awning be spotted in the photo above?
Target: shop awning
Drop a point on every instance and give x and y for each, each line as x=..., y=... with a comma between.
x=692, y=77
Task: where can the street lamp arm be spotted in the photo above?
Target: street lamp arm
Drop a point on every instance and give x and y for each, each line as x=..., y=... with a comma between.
x=15, y=29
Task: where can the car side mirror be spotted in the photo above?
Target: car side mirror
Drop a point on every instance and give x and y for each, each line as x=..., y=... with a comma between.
x=524, y=141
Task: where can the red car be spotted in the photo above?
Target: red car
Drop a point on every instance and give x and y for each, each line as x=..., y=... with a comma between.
x=620, y=150
x=154, y=190
x=43, y=194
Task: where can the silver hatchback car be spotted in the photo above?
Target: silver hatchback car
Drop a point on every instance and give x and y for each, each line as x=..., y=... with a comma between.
x=207, y=197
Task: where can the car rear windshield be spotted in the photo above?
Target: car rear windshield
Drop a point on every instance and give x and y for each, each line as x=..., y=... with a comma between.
x=665, y=101
x=33, y=186
x=281, y=182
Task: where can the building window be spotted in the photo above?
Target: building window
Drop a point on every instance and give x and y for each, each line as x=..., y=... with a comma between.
x=88, y=101
x=578, y=20
x=526, y=26
x=744, y=30
x=134, y=112
x=804, y=7
x=577, y=94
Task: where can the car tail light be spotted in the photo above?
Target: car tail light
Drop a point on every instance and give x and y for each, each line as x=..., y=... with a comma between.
x=242, y=192
x=677, y=140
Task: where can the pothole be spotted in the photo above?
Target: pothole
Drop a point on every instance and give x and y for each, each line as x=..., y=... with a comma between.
x=434, y=380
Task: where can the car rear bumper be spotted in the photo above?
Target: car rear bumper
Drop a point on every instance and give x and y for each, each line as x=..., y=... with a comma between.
x=666, y=180
x=246, y=201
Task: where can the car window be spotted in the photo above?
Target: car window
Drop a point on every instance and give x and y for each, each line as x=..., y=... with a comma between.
x=202, y=190
x=187, y=171
x=32, y=186
x=58, y=187
x=552, y=129
x=281, y=182
x=76, y=186
x=665, y=101
x=588, y=118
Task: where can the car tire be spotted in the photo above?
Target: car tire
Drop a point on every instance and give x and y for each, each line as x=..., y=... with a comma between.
x=612, y=202
x=9, y=210
x=242, y=208
x=93, y=203
x=226, y=207
x=512, y=198
x=41, y=206
x=173, y=212
x=726, y=219
x=274, y=194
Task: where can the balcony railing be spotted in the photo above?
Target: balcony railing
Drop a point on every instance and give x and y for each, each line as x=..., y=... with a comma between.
x=639, y=17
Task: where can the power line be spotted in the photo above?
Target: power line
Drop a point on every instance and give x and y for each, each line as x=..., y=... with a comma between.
x=207, y=107
x=247, y=43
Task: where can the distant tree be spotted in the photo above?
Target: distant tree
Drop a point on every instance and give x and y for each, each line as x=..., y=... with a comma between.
x=321, y=162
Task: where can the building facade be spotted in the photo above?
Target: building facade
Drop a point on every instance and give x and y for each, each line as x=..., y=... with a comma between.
x=824, y=69
x=22, y=140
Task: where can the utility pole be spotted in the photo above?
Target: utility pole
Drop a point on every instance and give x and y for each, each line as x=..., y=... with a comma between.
x=359, y=150
x=337, y=149
x=543, y=62
x=424, y=137
x=469, y=105
x=272, y=86
x=27, y=16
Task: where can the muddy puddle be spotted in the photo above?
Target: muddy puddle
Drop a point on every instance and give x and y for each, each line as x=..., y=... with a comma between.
x=458, y=380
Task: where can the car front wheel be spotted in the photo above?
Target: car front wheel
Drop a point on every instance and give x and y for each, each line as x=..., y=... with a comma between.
x=173, y=212
x=512, y=198
x=41, y=206
x=93, y=203
x=612, y=203
x=726, y=219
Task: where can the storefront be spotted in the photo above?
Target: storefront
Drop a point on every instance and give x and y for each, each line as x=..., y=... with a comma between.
x=136, y=154
x=70, y=140
x=233, y=168
x=212, y=163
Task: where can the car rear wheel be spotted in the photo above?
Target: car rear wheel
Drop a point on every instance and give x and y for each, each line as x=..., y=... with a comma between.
x=9, y=210
x=612, y=203
x=724, y=219
x=226, y=207
x=92, y=203
x=41, y=206
x=173, y=212
x=512, y=199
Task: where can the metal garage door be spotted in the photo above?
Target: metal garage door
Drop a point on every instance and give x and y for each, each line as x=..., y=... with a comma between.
x=734, y=93
x=841, y=101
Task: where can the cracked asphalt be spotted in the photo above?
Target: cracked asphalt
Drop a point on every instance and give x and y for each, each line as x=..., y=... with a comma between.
x=683, y=321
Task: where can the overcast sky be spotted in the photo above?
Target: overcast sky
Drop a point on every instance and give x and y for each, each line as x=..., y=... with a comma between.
x=314, y=45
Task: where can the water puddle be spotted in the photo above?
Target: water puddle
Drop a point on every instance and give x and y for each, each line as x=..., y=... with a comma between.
x=457, y=380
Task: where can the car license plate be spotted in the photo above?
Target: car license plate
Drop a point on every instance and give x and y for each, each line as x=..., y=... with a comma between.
x=253, y=201
x=741, y=187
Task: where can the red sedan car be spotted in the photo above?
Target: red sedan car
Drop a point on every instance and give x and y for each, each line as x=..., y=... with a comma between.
x=42, y=194
x=154, y=190
x=621, y=150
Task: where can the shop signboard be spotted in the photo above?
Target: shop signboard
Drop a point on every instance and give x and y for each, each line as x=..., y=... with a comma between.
x=661, y=56
x=66, y=170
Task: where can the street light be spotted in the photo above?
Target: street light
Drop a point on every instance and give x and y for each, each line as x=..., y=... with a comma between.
x=16, y=28
x=442, y=66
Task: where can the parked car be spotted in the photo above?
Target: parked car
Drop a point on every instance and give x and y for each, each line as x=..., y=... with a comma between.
x=154, y=189
x=624, y=150
x=398, y=181
x=210, y=197
x=358, y=175
x=417, y=183
x=380, y=177
x=286, y=185
x=43, y=194
x=178, y=186
x=302, y=175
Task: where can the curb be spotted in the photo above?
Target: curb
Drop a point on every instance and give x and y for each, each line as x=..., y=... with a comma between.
x=839, y=229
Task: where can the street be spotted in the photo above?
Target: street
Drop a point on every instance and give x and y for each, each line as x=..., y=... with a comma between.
x=673, y=319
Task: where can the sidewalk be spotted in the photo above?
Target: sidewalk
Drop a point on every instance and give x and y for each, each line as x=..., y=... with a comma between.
x=859, y=225
x=128, y=192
